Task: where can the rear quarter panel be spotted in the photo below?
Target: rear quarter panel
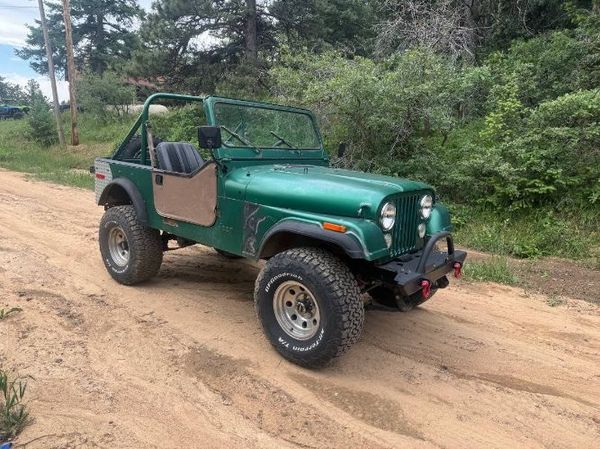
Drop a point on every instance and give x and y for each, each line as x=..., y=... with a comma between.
x=225, y=233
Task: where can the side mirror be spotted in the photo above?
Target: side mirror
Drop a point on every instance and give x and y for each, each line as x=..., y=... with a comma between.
x=341, y=149
x=209, y=137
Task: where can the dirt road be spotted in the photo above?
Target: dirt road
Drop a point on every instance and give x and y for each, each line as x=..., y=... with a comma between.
x=181, y=362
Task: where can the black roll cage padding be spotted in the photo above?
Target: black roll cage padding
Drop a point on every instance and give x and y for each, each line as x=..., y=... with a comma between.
x=134, y=196
x=430, y=246
x=348, y=243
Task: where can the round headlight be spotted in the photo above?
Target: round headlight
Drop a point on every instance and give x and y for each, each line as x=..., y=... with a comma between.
x=426, y=205
x=388, y=216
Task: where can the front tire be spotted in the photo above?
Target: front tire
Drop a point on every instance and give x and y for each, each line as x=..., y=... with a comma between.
x=131, y=252
x=309, y=305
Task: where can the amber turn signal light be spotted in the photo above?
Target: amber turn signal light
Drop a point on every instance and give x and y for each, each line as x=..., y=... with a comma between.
x=334, y=227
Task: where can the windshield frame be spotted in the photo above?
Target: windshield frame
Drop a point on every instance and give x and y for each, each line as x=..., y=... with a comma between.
x=238, y=150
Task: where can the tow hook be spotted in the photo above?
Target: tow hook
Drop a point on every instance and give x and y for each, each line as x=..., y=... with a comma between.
x=426, y=288
x=457, y=269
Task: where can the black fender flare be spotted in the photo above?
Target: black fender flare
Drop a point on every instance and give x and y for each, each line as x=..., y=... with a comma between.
x=133, y=193
x=348, y=243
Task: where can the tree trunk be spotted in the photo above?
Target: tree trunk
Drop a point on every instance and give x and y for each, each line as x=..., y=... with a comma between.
x=251, y=49
x=99, y=64
x=72, y=73
x=59, y=127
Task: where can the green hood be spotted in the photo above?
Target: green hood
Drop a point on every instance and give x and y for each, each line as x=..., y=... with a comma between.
x=319, y=189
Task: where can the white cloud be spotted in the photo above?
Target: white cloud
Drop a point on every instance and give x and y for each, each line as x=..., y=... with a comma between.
x=12, y=33
x=12, y=25
x=61, y=86
x=12, y=21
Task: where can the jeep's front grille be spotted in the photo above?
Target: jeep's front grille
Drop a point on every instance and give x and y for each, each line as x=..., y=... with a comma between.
x=405, y=232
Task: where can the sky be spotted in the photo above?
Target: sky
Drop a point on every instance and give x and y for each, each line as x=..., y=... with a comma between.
x=14, y=15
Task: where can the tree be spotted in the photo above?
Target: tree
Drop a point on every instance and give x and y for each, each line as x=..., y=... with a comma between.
x=444, y=26
x=102, y=33
x=322, y=25
x=251, y=31
x=197, y=44
x=10, y=92
x=51, y=73
x=42, y=128
x=467, y=27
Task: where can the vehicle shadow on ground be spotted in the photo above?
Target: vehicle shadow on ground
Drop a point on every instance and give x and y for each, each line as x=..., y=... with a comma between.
x=423, y=334
x=208, y=268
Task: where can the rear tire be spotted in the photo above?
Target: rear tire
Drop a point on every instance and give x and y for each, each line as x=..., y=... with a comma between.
x=131, y=252
x=309, y=305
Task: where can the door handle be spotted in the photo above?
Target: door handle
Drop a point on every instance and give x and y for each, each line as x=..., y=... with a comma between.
x=158, y=179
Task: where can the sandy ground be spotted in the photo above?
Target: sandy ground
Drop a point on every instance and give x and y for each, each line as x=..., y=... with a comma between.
x=181, y=362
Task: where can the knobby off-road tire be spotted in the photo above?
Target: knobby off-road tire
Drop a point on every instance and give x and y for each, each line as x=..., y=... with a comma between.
x=131, y=252
x=309, y=305
x=386, y=297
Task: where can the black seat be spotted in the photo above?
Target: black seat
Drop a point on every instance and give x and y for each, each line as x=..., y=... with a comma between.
x=180, y=157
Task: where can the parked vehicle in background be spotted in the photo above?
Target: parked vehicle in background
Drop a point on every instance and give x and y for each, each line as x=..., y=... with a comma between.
x=12, y=112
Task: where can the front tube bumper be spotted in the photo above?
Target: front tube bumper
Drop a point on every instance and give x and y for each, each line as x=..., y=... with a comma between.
x=407, y=273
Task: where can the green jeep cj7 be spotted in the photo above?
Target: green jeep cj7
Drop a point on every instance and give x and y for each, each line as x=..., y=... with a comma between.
x=268, y=192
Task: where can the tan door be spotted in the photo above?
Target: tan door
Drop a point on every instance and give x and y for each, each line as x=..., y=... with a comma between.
x=191, y=198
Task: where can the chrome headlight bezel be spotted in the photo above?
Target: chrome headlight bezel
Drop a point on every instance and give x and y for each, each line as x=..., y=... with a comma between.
x=387, y=216
x=426, y=206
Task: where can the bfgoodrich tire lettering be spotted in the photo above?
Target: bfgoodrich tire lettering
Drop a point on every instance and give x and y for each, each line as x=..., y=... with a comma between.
x=336, y=292
x=142, y=248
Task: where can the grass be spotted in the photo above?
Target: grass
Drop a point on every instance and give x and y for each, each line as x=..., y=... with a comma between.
x=68, y=166
x=495, y=269
x=5, y=313
x=14, y=416
x=554, y=301
x=571, y=234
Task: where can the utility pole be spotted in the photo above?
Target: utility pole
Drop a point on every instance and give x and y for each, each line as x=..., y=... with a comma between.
x=51, y=75
x=71, y=72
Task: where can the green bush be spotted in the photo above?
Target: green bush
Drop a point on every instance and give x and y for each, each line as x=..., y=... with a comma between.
x=180, y=123
x=380, y=109
x=521, y=130
x=544, y=156
x=42, y=125
x=104, y=96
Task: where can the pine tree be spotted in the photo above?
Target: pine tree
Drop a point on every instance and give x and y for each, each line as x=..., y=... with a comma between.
x=347, y=25
x=197, y=44
x=102, y=33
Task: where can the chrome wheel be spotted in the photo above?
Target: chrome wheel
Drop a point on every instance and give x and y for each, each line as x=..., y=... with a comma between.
x=296, y=310
x=118, y=246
